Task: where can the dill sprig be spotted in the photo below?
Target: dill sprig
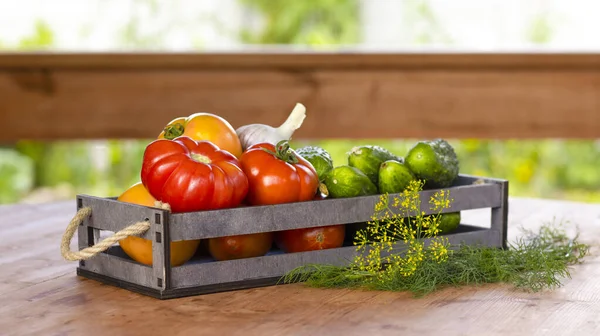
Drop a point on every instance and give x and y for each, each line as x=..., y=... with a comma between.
x=535, y=261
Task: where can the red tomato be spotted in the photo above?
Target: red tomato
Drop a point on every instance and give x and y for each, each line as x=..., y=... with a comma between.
x=310, y=239
x=276, y=174
x=242, y=246
x=192, y=175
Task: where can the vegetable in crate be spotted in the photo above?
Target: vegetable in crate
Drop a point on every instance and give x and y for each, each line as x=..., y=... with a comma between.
x=240, y=246
x=140, y=249
x=205, y=126
x=311, y=239
x=433, y=161
x=276, y=175
x=319, y=158
x=369, y=158
x=259, y=133
x=394, y=177
x=192, y=175
x=346, y=181
x=449, y=222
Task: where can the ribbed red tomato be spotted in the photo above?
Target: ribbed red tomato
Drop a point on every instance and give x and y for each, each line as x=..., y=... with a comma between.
x=192, y=175
x=276, y=174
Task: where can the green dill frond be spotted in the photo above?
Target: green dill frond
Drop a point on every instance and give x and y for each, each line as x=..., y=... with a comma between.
x=532, y=263
x=536, y=261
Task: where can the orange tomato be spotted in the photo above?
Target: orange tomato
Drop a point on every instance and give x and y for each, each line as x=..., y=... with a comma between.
x=140, y=249
x=205, y=126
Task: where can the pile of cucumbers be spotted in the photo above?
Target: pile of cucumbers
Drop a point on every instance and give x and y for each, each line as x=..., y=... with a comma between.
x=372, y=170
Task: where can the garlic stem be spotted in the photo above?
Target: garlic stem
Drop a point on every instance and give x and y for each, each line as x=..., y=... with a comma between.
x=294, y=120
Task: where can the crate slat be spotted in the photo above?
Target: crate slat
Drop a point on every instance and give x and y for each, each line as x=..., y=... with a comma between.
x=276, y=266
x=228, y=222
x=121, y=269
x=112, y=215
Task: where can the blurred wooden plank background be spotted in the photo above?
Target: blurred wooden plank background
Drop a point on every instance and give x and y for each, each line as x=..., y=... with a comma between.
x=347, y=95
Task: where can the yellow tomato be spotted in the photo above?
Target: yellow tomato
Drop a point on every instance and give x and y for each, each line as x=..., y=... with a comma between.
x=140, y=249
x=205, y=126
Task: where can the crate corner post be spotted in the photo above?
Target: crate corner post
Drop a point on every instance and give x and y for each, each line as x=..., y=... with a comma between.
x=86, y=235
x=161, y=251
x=499, y=216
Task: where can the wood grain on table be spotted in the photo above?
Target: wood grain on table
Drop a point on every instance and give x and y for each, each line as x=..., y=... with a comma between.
x=40, y=293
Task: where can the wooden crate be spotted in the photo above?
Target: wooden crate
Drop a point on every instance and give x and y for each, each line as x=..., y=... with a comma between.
x=204, y=275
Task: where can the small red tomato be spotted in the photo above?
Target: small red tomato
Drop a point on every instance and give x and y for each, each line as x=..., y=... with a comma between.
x=276, y=174
x=241, y=246
x=311, y=239
x=192, y=175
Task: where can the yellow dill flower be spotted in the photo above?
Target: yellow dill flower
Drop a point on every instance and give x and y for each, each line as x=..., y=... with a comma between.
x=390, y=224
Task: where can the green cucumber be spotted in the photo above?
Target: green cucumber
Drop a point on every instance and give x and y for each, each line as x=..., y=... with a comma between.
x=394, y=177
x=369, y=158
x=433, y=161
x=449, y=222
x=346, y=181
x=319, y=158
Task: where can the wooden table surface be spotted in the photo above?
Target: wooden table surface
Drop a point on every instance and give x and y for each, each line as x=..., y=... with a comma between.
x=40, y=293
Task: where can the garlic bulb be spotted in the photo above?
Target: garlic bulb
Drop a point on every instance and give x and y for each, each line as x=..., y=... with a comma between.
x=256, y=133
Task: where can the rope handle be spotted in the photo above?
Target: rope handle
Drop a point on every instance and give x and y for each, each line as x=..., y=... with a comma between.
x=88, y=252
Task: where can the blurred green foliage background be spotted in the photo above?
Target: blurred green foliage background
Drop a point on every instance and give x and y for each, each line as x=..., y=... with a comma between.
x=557, y=169
x=549, y=168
